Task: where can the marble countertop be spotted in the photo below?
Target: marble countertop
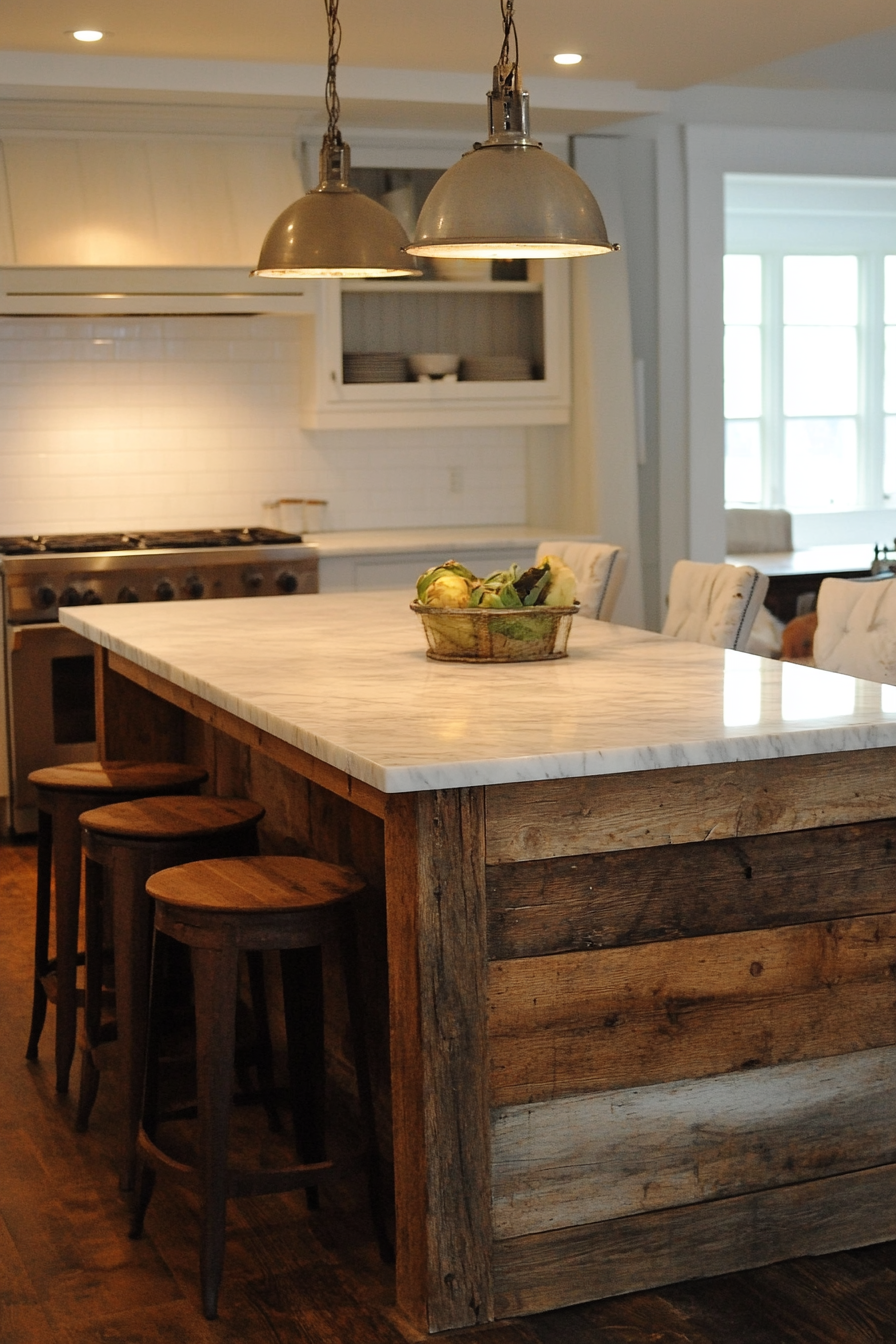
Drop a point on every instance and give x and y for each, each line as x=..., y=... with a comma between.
x=391, y=541
x=812, y=560
x=345, y=677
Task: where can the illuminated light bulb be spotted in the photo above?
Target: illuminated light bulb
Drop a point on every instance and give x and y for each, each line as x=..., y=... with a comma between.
x=87, y=35
x=567, y=58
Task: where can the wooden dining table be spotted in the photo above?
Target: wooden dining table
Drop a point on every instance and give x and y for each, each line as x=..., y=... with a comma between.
x=632, y=915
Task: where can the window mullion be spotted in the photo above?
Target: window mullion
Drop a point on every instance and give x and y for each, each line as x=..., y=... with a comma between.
x=871, y=375
x=773, y=379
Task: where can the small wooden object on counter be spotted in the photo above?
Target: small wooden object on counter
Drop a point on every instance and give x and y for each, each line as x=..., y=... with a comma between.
x=63, y=793
x=218, y=908
x=128, y=842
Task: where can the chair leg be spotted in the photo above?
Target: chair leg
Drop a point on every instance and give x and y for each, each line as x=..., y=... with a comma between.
x=216, y=983
x=93, y=989
x=352, y=973
x=67, y=863
x=145, y=1177
x=41, y=929
x=303, y=993
x=264, y=1052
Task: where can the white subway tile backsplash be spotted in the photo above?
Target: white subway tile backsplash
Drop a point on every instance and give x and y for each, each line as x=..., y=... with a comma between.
x=156, y=422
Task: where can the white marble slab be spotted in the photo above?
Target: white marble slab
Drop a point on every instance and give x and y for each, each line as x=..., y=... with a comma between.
x=345, y=677
x=441, y=542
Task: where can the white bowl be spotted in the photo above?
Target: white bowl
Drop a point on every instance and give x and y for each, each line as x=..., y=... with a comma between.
x=435, y=366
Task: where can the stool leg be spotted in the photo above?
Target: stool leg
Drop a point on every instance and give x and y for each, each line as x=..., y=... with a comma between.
x=216, y=982
x=67, y=863
x=41, y=928
x=303, y=994
x=146, y=1176
x=264, y=1052
x=132, y=924
x=352, y=973
x=93, y=989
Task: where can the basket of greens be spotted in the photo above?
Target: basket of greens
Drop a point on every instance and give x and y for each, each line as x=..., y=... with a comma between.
x=507, y=617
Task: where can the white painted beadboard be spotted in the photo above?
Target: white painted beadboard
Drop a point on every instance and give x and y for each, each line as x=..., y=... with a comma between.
x=108, y=200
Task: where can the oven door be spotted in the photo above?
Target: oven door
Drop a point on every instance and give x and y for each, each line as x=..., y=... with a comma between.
x=52, y=718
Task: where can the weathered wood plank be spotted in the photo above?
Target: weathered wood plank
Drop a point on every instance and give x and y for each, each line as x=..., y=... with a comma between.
x=685, y=891
x=435, y=879
x=584, y=1159
x=627, y=1017
x=555, y=1269
x=694, y=803
x=361, y=794
x=131, y=723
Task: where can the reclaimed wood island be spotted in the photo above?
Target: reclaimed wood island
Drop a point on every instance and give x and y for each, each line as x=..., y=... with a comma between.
x=640, y=913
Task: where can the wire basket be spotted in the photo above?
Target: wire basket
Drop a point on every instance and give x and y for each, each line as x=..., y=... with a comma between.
x=495, y=634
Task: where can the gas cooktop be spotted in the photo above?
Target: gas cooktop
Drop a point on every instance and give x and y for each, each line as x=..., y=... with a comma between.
x=145, y=541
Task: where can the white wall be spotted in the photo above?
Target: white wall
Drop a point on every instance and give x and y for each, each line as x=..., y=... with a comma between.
x=193, y=421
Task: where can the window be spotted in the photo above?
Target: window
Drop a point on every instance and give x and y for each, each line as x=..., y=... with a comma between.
x=810, y=343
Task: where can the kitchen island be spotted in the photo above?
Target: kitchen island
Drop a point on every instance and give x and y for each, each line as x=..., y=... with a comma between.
x=641, y=927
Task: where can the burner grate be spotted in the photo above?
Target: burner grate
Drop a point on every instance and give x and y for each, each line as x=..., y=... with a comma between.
x=94, y=542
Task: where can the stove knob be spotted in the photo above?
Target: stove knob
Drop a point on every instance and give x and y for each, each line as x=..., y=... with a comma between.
x=69, y=597
x=194, y=587
x=253, y=581
x=287, y=583
x=91, y=598
x=128, y=595
x=164, y=591
x=46, y=597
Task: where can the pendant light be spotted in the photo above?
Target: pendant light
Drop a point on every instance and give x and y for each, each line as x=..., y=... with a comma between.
x=508, y=197
x=334, y=230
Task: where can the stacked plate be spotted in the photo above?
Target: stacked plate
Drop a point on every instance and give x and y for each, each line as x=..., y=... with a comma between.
x=374, y=368
x=495, y=369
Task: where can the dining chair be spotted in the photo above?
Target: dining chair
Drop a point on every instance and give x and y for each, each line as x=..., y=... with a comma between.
x=714, y=604
x=856, y=631
x=599, y=568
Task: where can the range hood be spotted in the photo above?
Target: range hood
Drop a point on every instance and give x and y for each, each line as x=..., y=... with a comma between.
x=111, y=224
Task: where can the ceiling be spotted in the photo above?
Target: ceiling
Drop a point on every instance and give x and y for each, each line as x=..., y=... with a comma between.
x=655, y=44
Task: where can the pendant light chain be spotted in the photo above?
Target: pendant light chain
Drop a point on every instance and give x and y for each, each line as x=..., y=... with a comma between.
x=331, y=97
x=509, y=28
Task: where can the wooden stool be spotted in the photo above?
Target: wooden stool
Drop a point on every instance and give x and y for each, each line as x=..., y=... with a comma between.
x=129, y=842
x=63, y=793
x=217, y=908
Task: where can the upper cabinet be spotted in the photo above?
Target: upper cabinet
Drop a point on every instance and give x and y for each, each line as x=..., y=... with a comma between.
x=470, y=319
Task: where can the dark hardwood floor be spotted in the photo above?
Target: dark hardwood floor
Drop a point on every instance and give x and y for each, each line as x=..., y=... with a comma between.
x=69, y=1274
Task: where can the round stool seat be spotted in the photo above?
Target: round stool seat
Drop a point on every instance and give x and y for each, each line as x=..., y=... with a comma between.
x=174, y=818
x=254, y=885
x=117, y=776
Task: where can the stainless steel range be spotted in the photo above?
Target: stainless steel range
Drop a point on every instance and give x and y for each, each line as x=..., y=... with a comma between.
x=49, y=669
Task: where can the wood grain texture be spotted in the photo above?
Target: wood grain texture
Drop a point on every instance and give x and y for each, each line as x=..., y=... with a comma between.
x=131, y=723
x=627, y=1017
x=436, y=914
x=585, y=1159
x=553, y=1269
x=336, y=781
x=685, y=891
x=694, y=803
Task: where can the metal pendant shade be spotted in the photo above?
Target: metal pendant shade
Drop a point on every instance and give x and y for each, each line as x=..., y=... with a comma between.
x=510, y=200
x=508, y=197
x=334, y=230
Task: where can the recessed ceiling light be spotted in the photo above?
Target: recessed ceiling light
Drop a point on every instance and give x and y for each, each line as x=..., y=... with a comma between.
x=567, y=58
x=87, y=35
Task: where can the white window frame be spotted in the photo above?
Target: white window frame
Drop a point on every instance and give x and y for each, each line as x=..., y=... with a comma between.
x=711, y=152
